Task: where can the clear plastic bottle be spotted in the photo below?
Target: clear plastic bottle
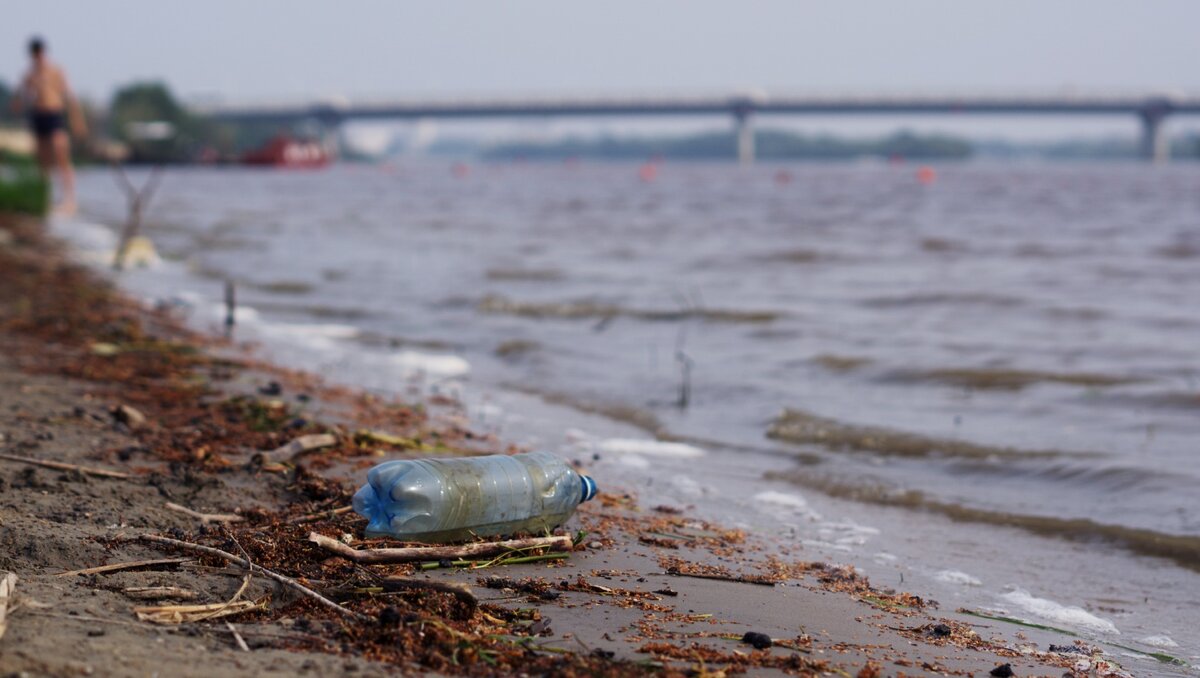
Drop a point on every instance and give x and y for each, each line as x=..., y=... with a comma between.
x=441, y=500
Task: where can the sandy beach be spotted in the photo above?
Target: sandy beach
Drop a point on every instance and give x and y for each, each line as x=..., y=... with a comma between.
x=91, y=380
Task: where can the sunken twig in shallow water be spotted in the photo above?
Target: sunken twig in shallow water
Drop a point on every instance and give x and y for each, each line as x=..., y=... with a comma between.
x=229, y=557
x=418, y=553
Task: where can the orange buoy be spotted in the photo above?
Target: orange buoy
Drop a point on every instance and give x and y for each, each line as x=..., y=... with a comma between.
x=461, y=170
x=648, y=172
x=926, y=175
x=783, y=177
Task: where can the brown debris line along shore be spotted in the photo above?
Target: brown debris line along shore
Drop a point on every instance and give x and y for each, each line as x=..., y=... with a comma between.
x=76, y=358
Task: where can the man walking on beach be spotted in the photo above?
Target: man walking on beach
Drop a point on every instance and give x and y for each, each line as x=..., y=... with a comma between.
x=48, y=102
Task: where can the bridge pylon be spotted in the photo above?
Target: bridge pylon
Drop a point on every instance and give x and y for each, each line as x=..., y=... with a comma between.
x=1155, y=146
x=743, y=126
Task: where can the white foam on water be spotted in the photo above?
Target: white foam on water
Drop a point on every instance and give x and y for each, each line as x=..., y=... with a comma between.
x=1066, y=615
x=956, y=577
x=435, y=364
x=241, y=315
x=884, y=558
x=650, y=448
x=633, y=461
x=789, y=502
x=1159, y=641
x=846, y=534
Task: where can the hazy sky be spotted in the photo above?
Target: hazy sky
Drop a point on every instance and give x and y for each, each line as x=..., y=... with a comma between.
x=253, y=49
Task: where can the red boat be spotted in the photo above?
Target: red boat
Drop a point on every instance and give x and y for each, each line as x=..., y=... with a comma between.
x=284, y=151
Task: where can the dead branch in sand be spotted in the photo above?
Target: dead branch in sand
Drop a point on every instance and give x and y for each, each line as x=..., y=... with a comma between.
x=8, y=586
x=229, y=557
x=178, y=614
x=159, y=592
x=63, y=466
x=296, y=448
x=131, y=565
x=417, y=553
x=460, y=591
x=206, y=518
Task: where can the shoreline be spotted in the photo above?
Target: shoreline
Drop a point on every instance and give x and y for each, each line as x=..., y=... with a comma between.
x=207, y=416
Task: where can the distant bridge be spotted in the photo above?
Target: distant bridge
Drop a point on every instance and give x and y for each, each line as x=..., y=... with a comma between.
x=1150, y=109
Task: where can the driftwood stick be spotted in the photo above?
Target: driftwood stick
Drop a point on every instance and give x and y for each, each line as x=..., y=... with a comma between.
x=8, y=586
x=159, y=592
x=116, y=567
x=296, y=448
x=229, y=557
x=205, y=517
x=416, y=553
x=63, y=466
x=460, y=591
x=737, y=578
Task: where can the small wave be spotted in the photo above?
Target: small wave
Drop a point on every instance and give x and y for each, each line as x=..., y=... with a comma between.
x=1162, y=641
x=525, y=274
x=797, y=426
x=649, y=448
x=943, y=246
x=516, y=348
x=1067, y=615
x=1007, y=379
x=618, y=412
x=284, y=287
x=433, y=364
x=956, y=577
x=797, y=256
x=942, y=299
x=840, y=363
x=1184, y=550
x=577, y=310
x=789, y=502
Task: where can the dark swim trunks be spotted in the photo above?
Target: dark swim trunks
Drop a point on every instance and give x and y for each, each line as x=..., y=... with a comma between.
x=45, y=123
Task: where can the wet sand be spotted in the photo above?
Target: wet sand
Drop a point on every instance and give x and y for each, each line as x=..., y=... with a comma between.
x=71, y=352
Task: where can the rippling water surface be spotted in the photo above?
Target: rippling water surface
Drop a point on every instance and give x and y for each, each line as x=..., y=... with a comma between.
x=975, y=381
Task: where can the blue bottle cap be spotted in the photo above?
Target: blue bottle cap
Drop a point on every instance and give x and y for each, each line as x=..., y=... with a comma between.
x=589, y=488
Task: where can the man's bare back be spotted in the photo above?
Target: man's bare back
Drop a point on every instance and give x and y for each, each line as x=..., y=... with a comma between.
x=49, y=104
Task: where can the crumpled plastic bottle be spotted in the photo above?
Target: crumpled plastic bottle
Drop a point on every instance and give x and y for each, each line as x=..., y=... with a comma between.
x=442, y=500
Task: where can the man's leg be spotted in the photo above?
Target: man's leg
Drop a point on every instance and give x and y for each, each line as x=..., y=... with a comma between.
x=62, y=159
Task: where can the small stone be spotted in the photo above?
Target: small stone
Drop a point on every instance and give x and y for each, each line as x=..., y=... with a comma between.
x=759, y=641
x=129, y=416
x=93, y=633
x=271, y=389
x=1003, y=671
x=595, y=545
x=940, y=631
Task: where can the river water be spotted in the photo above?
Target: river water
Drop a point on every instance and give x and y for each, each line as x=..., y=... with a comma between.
x=985, y=386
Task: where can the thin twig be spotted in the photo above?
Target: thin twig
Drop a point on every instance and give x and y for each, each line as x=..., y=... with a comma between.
x=418, y=553
x=206, y=517
x=63, y=466
x=238, y=637
x=8, y=586
x=229, y=557
x=131, y=565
